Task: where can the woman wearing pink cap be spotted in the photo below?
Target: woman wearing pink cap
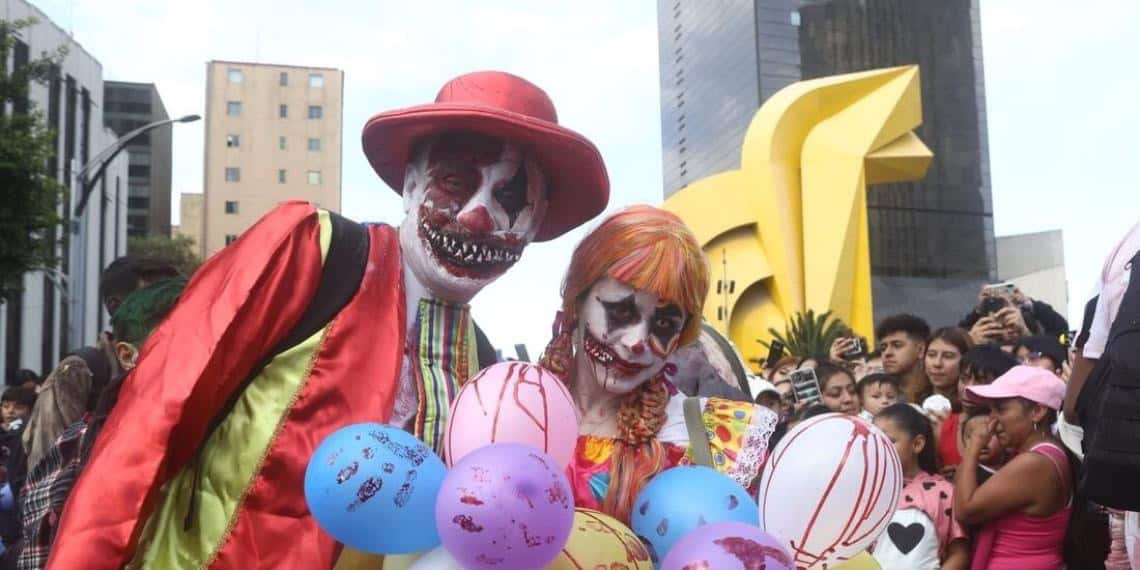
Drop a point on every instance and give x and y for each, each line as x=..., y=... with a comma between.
x=1023, y=510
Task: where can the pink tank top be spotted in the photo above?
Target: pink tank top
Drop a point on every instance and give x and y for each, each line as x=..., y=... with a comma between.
x=1022, y=542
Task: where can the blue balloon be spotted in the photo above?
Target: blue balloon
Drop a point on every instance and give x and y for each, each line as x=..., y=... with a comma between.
x=681, y=499
x=373, y=487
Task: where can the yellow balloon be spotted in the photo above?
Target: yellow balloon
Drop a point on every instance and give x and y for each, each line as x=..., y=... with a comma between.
x=863, y=561
x=597, y=540
x=401, y=561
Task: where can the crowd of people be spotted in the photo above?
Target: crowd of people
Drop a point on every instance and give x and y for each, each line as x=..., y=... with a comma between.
x=956, y=403
x=50, y=425
x=183, y=437
x=975, y=412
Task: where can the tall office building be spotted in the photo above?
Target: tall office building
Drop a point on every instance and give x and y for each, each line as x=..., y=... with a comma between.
x=932, y=241
x=126, y=107
x=273, y=133
x=59, y=309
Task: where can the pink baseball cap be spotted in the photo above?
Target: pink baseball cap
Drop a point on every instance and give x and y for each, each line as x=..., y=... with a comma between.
x=1034, y=384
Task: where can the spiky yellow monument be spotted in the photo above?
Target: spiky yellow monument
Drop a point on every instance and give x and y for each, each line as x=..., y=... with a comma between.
x=809, y=154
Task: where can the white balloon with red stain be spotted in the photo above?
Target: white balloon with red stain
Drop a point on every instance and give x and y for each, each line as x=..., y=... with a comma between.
x=513, y=402
x=829, y=489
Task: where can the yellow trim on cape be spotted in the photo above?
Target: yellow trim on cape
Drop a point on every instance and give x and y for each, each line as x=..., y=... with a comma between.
x=230, y=459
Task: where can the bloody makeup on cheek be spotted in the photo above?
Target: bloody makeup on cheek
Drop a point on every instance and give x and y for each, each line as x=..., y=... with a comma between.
x=456, y=223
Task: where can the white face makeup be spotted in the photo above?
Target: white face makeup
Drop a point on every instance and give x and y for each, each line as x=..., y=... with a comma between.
x=472, y=205
x=626, y=334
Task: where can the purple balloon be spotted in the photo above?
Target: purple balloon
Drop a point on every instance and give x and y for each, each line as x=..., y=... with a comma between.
x=505, y=506
x=728, y=545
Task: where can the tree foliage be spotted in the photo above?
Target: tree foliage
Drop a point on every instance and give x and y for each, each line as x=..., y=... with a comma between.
x=29, y=192
x=809, y=335
x=178, y=250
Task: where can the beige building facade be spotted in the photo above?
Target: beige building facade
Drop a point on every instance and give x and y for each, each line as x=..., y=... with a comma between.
x=273, y=133
x=190, y=224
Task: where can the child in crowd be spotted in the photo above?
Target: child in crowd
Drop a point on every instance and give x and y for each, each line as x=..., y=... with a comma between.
x=923, y=532
x=876, y=392
x=993, y=455
x=16, y=406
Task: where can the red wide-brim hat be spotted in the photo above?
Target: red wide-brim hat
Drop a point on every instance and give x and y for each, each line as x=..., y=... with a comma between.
x=512, y=109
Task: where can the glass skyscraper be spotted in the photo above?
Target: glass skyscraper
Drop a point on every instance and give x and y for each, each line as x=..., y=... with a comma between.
x=932, y=242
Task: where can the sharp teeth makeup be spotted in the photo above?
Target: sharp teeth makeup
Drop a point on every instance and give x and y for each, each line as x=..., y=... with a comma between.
x=474, y=211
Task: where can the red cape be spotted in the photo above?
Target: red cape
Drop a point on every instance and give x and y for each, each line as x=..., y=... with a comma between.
x=232, y=315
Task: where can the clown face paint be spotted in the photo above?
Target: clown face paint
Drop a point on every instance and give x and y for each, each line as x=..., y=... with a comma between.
x=472, y=203
x=626, y=334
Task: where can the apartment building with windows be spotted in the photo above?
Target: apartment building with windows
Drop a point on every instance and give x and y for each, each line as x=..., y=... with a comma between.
x=59, y=308
x=273, y=133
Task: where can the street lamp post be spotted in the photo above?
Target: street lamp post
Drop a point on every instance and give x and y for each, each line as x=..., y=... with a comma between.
x=103, y=159
x=84, y=181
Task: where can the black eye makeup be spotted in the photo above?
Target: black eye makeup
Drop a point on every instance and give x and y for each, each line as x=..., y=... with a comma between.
x=512, y=196
x=619, y=314
x=667, y=323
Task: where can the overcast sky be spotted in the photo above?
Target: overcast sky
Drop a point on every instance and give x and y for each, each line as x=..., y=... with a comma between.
x=1061, y=81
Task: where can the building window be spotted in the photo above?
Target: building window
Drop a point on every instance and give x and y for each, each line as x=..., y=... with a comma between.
x=315, y=177
x=233, y=141
x=281, y=176
x=231, y=207
x=795, y=18
x=230, y=238
x=281, y=143
x=233, y=108
x=315, y=111
x=284, y=79
x=234, y=75
x=283, y=111
x=315, y=144
x=316, y=80
x=233, y=174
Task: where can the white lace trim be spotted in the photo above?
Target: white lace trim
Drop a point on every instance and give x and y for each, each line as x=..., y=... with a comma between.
x=755, y=443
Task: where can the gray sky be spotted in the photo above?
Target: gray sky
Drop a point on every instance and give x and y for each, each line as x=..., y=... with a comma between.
x=1060, y=76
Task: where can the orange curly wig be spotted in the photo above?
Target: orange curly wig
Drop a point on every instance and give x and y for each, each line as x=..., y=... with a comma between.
x=652, y=250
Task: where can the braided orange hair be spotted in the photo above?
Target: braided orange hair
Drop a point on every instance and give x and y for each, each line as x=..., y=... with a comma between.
x=652, y=250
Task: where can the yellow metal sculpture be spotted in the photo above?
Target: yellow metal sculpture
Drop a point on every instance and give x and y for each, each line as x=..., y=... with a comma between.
x=788, y=230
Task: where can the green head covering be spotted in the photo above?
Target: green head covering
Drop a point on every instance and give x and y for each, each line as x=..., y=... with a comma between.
x=142, y=310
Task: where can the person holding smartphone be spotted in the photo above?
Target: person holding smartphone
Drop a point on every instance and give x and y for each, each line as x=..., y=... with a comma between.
x=1004, y=314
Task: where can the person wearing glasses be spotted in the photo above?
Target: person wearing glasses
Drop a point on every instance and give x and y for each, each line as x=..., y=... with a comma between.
x=1042, y=352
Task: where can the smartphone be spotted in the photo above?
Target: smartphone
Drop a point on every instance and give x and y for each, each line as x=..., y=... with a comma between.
x=858, y=349
x=775, y=353
x=999, y=289
x=805, y=386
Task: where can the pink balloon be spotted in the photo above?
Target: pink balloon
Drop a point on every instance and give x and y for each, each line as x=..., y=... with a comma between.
x=829, y=489
x=513, y=402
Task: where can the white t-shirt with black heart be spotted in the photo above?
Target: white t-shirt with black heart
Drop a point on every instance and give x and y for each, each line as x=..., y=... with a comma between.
x=910, y=542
